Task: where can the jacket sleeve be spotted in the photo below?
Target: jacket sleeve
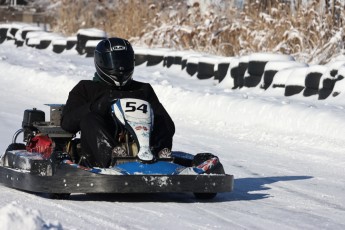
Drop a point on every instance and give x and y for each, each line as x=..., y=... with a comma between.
x=77, y=106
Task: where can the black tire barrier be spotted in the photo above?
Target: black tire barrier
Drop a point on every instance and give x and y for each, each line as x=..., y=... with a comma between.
x=19, y=43
x=281, y=77
x=239, y=74
x=140, y=59
x=278, y=86
x=32, y=45
x=234, y=75
x=192, y=63
x=81, y=42
x=255, y=71
x=90, y=47
x=189, y=57
x=324, y=93
x=258, y=61
x=205, y=70
x=71, y=42
x=44, y=44
x=272, y=67
x=221, y=72
x=85, y=35
x=58, y=48
x=156, y=56
x=25, y=32
x=334, y=72
x=296, y=79
x=268, y=78
x=172, y=58
x=154, y=59
x=256, y=68
x=183, y=63
x=328, y=80
x=335, y=66
x=59, y=45
x=140, y=56
x=178, y=60
x=11, y=33
x=168, y=61
x=90, y=51
x=243, y=72
x=312, y=82
x=3, y=32
x=191, y=68
x=328, y=86
x=250, y=81
x=291, y=90
x=21, y=36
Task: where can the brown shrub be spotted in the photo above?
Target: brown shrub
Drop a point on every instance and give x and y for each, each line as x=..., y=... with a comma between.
x=261, y=26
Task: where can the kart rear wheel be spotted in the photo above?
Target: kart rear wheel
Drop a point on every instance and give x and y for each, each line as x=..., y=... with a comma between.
x=205, y=196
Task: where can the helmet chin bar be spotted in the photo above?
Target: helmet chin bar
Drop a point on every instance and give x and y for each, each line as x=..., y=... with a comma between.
x=112, y=79
x=137, y=117
x=117, y=83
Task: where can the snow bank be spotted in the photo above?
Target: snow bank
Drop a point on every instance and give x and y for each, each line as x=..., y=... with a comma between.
x=92, y=32
x=279, y=65
x=16, y=216
x=297, y=77
x=226, y=114
x=92, y=43
x=264, y=57
x=281, y=77
x=19, y=35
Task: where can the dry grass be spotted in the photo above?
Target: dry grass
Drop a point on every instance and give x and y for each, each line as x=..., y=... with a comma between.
x=311, y=34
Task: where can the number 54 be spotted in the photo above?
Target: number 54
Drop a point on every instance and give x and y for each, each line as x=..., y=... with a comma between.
x=132, y=107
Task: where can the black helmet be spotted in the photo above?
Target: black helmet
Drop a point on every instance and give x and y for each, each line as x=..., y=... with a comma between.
x=114, y=61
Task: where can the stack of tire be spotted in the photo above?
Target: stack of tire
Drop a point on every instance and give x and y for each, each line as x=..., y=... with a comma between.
x=83, y=45
x=256, y=67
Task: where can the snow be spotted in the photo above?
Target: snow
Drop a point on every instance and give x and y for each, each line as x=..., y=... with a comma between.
x=297, y=77
x=92, y=43
x=72, y=38
x=265, y=57
x=140, y=51
x=281, y=77
x=286, y=153
x=210, y=59
x=18, y=36
x=16, y=216
x=279, y=65
x=92, y=32
x=157, y=52
x=59, y=41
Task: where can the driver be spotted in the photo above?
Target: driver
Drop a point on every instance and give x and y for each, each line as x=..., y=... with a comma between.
x=88, y=107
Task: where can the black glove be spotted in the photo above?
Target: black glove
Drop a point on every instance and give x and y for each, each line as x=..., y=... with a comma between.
x=101, y=104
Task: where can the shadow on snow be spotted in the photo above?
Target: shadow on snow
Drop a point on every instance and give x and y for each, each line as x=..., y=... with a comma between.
x=255, y=188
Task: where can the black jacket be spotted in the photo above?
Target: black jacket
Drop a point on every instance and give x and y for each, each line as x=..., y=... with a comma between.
x=86, y=91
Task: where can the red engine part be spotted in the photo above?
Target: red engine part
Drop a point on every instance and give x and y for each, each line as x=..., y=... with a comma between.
x=41, y=144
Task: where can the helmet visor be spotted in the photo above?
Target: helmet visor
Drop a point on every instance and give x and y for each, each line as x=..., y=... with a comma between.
x=114, y=61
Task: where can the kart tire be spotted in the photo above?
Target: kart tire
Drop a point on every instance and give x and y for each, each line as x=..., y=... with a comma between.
x=201, y=157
